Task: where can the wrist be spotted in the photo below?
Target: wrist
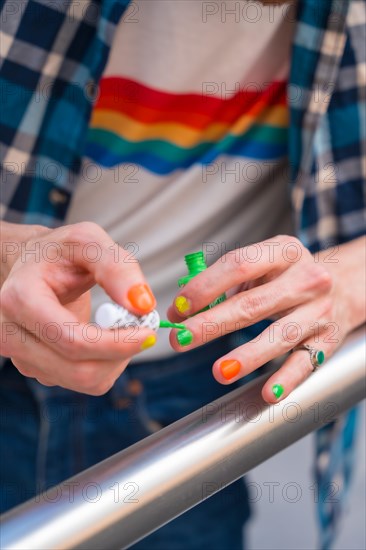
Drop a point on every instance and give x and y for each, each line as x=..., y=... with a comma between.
x=347, y=266
x=13, y=237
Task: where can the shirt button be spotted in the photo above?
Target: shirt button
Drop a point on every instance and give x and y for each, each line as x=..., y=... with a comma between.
x=57, y=197
x=91, y=90
x=123, y=403
x=134, y=387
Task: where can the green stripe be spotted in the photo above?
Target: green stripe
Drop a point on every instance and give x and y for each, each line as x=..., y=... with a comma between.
x=174, y=153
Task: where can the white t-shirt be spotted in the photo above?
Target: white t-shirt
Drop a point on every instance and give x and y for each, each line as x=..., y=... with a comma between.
x=187, y=147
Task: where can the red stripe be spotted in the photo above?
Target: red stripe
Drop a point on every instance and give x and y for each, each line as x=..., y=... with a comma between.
x=149, y=105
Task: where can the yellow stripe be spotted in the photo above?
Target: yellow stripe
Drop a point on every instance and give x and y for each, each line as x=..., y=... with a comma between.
x=133, y=130
x=271, y=116
x=180, y=134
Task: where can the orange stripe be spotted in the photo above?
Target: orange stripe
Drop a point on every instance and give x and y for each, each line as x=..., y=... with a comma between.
x=180, y=134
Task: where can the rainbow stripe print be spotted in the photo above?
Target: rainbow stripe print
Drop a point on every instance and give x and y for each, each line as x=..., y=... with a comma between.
x=164, y=132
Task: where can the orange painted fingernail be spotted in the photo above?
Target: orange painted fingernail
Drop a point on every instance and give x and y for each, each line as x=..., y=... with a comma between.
x=142, y=298
x=230, y=368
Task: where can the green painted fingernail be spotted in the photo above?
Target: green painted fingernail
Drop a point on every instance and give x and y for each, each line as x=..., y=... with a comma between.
x=184, y=337
x=278, y=390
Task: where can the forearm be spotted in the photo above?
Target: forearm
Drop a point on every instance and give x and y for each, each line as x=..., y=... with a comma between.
x=348, y=264
x=12, y=236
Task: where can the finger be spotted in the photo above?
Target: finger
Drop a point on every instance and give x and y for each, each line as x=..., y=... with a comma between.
x=45, y=382
x=91, y=378
x=114, y=268
x=277, y=339
x=174, y=316
x=25, y=369
x=295, y=370
x=51, y=346
x=235, y=268
x=41, y=314
x=29, y=371
x=288, y=291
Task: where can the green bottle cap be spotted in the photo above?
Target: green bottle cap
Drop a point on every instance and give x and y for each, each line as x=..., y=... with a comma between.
x=195, y=263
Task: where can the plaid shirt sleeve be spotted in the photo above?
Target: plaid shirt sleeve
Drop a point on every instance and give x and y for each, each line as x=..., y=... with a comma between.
x=328, y=118
x=328, y=158
x=52, y=57
x=53, y=54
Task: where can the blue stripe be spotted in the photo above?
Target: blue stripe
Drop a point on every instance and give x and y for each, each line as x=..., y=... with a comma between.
x=162, y=166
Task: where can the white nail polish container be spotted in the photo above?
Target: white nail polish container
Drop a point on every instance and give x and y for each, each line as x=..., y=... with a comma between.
x=113, y=316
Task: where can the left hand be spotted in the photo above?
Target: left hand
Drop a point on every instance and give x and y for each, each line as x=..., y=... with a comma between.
x=315, y=300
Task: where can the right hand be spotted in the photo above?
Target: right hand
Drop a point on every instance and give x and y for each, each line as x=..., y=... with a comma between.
x=45, y=308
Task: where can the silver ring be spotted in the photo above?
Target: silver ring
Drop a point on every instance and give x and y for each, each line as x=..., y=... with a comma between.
x=317, y=356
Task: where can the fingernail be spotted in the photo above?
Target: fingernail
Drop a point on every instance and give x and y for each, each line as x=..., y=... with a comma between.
x=141, y=298
x=149, y=342
x=277, y=390
x=182, y=304
x=184, y=337
x=230, y=368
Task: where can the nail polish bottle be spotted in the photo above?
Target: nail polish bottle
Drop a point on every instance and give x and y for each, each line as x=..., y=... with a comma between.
x=112, y=316
x=196, y=263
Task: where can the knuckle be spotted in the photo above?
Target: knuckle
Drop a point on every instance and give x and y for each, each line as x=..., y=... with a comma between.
x=250, y=306
x=9, y=341
x=292, y=248
x=319, y=278
x=234, y=260
x=295, y=241
x=101, y=389
x=22, y=368
x=10, y=298
x=45, y=382
x=326, y=280
x=4, y=349
x=87, y=231
x=285, y=239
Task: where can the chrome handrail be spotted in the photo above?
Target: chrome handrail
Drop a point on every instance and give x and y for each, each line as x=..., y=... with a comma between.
x=131, y=494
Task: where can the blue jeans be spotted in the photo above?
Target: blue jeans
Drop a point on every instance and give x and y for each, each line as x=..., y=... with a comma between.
x=50, y=434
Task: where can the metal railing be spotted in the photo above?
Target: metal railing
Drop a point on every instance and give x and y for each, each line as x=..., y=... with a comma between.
x=126, y=497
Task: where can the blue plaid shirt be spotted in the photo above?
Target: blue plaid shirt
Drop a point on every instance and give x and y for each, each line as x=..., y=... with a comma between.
x=53, y=55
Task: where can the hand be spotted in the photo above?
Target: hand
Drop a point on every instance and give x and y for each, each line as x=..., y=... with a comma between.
x=45, y=307
x=315, y=300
